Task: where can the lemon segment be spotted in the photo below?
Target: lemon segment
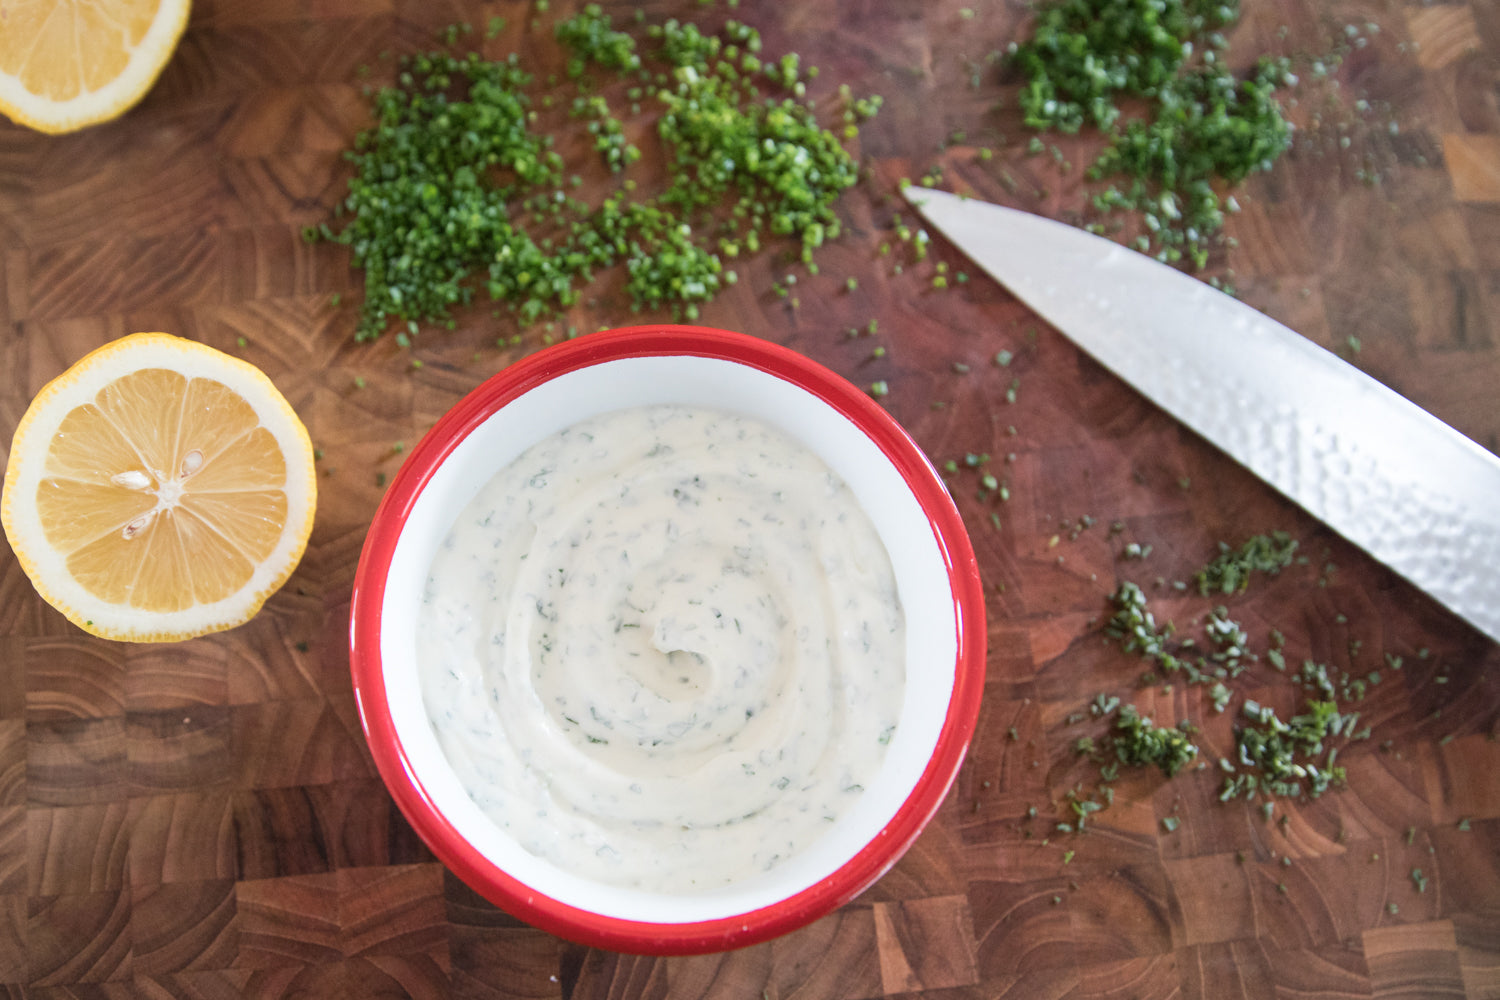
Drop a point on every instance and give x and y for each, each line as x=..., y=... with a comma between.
x=159, y=489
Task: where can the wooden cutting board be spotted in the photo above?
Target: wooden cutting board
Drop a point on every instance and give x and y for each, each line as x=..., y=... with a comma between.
x=203, y=820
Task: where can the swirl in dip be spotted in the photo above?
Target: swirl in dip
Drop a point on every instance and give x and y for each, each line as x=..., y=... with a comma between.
x=663, y=648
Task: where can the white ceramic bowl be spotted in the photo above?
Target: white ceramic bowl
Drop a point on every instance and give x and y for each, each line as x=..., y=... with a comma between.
x=937, y=580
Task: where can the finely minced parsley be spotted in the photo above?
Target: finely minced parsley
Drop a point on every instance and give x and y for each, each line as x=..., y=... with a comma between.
x=1202, y=126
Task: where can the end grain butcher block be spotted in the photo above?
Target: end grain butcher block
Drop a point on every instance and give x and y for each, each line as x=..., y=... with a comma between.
x=203, y=819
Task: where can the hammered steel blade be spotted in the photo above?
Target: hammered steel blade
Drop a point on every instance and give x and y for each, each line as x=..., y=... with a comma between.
x=1379, y=470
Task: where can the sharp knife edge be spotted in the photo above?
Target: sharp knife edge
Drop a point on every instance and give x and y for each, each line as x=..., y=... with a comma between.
x=1384, y=473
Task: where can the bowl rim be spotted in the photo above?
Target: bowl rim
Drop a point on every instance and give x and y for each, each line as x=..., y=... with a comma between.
x=572, y=922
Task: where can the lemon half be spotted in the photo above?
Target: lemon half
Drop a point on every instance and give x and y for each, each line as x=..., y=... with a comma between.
x=159, y=489
x=65, y=64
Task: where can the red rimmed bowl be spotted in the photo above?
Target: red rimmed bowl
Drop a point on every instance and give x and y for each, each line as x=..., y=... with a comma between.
x=937, y=581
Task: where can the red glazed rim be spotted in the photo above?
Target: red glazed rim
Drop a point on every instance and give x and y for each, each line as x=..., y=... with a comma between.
x=572, y=922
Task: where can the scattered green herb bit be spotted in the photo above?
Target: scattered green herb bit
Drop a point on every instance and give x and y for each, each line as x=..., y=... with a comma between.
x=1170, y=823
x=590, y=37
x=1082, y=809
x=1229, y=637
x=880, y=388
x=1316, y=676
x=1220, y=695
x=1230, y=570
x=1392, y=909
x=1138, y=741
x=1419, y=880
x=1004, y=358
x=1463, y=824
x=1067, y=857
x=1135, y=626
x=1280, y=754
x=1411, y=835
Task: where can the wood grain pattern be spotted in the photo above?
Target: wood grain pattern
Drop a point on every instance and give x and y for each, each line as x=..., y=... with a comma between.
x=204, y=820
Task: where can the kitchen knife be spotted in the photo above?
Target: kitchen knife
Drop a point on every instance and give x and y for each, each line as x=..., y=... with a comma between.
x=1379, y=470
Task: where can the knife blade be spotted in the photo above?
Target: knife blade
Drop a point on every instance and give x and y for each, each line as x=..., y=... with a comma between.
x=1378, y=469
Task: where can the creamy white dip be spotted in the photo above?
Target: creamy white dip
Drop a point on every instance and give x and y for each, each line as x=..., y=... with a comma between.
x=663, y=648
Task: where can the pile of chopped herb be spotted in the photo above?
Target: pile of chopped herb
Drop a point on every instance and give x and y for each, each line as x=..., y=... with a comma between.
x=1279, y=758
x=1230, y=570
x=1138, y=741
x=1295, y=758
x=456, y=191
x=1133, y=740
x=1202, y=124
x=1134, y=625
